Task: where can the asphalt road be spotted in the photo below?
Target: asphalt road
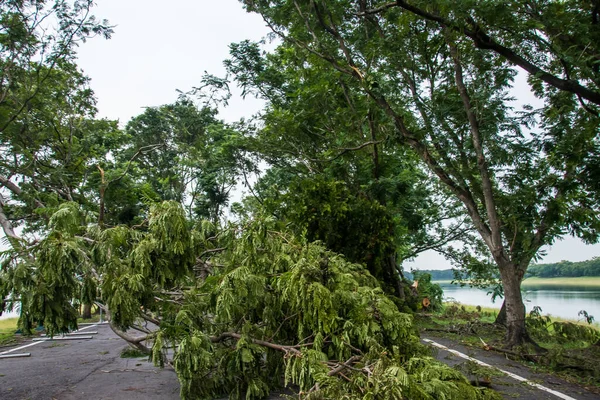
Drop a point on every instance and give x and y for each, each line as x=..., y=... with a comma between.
x=509, y=387
x=84, y=369
x=93, y=369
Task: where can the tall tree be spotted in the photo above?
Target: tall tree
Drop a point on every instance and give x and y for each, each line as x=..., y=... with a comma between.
x=50, y=158
x=521, y=176
x=336, y=173
x=36, y=37
x=182, y=152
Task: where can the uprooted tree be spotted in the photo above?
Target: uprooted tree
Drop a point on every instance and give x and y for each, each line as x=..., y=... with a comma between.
x=244, y=309
x=441, y=73
x=247, y=307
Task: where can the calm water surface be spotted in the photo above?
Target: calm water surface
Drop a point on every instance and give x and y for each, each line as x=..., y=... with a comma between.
x=565, y=303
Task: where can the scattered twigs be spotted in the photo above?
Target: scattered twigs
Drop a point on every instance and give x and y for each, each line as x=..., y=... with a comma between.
x=527, y=356
x=445, y=330
x=232, y=335
x=342, y=366
x=280, y=325
x=150, y=318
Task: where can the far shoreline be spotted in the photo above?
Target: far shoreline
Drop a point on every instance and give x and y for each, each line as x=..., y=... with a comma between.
x=587, y=281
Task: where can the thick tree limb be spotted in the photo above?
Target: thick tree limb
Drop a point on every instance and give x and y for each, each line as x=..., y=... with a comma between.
x=7, y=226
x=483, y=41
x=496, y=248
x=231, y=335
x=349, y=149
x=343, y=366
x=377, y=10
x=14, y=188
x=133, y=341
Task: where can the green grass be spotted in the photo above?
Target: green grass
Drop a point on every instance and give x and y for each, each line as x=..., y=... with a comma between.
x=570, y=350
x=588, y=281
x=488, y=314
x=8, y=324
x=7, y=331
x=95, y=318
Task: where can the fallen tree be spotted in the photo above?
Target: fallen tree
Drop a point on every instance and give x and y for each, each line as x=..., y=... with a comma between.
x=245, y=309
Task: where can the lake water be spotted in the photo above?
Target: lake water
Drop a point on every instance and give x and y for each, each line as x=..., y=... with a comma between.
x=564, y=303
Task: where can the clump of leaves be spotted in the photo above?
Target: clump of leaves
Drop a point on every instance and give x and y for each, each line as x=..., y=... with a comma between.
x=276, y=310
x=132, y=353
x=560, y=331
x=482, y=375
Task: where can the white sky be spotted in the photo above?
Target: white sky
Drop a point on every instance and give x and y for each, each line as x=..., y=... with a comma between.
x=160, y=46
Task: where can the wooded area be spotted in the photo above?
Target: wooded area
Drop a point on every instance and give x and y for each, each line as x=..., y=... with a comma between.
x=546, y=270
x=389, y=129
x=566, y=268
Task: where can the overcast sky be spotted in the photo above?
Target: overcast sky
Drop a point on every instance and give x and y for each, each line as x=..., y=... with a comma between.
x=160, y=46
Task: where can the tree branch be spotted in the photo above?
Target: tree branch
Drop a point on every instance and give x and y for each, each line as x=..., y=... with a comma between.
x=495, y=245
x=483, y=41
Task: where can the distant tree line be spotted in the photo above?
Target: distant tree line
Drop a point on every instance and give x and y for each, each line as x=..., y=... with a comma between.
x=550, y=270
x=436, y=275
x=566, y=269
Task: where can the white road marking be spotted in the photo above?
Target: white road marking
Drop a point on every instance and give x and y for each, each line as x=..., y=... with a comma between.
x=38, y=342
x=87, y=327
x=62, y=338
x=514, y=376
x=19, y=348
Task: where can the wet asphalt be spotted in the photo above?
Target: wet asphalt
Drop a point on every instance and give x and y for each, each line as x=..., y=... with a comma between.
x=93, y=369
x=84, y=369
x=508, y=387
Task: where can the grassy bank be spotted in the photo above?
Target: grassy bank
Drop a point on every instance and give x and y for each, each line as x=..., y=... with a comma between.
x=587, y=281
x=7, y=330
x=488, y=314
x=570, y=349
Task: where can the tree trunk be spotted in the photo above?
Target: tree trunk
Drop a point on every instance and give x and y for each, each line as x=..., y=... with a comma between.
x=87, y=311
x=395, y=277
x=515, y=309
x=501, y=318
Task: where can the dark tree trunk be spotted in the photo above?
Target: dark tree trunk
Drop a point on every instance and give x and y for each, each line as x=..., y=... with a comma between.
x=396, y=280
x=515, y=309
x=87, y=311
x=501, y=317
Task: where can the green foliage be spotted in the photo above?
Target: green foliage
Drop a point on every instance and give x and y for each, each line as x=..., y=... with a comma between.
x=136, y=263
x=427, y=290
x=51, y=276
x=438, y=78
x=566, y=269
x=359, y=228
x=561, y=332
x=182, y=153
x=482, y=374
x=31, y=50
x=280, y=310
